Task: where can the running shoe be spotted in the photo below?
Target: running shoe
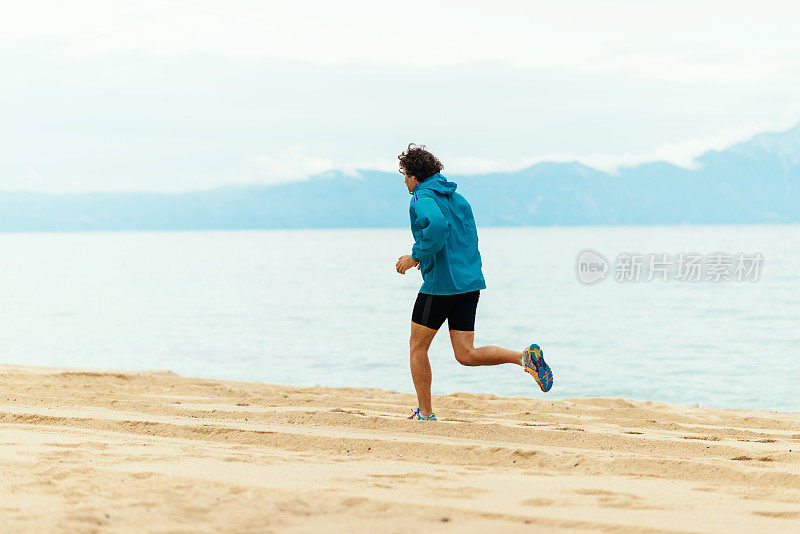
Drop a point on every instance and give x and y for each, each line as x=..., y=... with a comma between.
x=417, y=415
x=537, y=367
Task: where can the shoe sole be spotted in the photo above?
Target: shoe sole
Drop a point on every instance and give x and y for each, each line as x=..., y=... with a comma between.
x=544, y=375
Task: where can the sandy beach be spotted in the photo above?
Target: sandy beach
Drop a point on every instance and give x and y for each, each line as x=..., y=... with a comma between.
x=113, y=451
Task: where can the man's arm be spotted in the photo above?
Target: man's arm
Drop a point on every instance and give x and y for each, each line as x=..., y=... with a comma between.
x=434, y=228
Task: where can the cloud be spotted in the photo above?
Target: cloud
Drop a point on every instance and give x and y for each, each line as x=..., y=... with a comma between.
x=675, y=43
x=174, y=96
x=290, y=165
x=681, y=153
x=296, y=164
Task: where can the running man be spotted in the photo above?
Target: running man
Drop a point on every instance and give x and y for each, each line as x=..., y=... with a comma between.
x=446, y=251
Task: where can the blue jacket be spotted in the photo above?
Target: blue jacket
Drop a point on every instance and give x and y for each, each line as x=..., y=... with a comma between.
x=445, y=239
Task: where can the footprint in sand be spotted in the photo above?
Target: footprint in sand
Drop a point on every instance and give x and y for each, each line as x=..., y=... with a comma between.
x=464, y=492
x=611, y=499
x=704, y=438
x=595, y=492
x=407, y=477
x=349, y=412
x=538, y=502
x=779, y=515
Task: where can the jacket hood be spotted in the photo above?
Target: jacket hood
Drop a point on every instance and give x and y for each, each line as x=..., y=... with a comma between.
x=437, y=183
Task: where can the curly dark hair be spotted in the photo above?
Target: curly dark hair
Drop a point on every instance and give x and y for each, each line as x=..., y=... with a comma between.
x=419, y=163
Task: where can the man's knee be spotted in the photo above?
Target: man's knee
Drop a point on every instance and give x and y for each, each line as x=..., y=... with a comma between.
x=418, y=349
x=465, y=356
x=420, y=339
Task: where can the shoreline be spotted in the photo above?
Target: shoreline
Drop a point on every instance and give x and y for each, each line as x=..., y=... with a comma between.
x=101, y=450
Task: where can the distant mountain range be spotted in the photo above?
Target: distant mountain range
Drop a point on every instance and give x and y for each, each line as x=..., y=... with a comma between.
x=757, y=181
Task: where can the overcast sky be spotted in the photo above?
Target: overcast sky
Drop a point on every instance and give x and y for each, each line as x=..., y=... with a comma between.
x=175, y=96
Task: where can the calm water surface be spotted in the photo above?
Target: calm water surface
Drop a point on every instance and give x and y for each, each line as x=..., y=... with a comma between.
x=326, y=307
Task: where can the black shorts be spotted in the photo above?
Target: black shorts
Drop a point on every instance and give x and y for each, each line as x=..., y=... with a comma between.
x=459, y=310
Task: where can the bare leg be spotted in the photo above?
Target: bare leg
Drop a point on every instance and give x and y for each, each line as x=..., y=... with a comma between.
x=421, y=337
x=467, y=354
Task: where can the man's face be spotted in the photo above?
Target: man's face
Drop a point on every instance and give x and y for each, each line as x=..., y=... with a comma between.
x=411, y=182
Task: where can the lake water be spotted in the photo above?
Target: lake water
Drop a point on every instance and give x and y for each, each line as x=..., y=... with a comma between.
x=327, y=307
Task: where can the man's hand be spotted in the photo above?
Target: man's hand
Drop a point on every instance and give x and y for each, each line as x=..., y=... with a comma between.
x=404, y=263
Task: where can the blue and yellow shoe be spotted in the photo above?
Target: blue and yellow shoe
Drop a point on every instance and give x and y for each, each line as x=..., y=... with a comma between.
x=417, y=415
x=533, y=357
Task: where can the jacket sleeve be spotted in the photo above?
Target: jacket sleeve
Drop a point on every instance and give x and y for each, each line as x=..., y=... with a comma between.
x=434, y=228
